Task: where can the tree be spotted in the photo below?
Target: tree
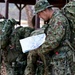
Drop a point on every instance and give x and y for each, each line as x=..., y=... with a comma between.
x=29, y=13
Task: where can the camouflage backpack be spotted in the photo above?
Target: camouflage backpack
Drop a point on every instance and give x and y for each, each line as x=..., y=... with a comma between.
x=69, y=11
x=8, y=26
x=19, y=33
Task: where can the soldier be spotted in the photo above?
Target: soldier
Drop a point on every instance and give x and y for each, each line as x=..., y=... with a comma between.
x=57, y=31
x=7, y=27
x=10, y=45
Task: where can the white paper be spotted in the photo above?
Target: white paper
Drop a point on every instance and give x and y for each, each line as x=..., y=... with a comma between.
x=32, y=42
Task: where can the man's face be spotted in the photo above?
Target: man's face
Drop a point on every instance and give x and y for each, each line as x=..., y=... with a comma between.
x=43, y=15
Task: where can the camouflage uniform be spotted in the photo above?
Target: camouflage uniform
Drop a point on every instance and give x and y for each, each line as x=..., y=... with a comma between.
x=10, y=46
x=7, y=27
x=14, y=48
x=15, y=51
x=56, y=34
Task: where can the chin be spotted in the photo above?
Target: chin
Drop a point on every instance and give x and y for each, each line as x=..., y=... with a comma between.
x=46, y=20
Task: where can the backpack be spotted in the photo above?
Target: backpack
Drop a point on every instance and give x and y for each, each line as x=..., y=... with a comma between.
x=8, y=26
x=19, y=33
x=69, y=11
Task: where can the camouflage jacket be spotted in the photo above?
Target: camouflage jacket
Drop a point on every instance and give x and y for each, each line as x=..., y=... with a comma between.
x=55, y=32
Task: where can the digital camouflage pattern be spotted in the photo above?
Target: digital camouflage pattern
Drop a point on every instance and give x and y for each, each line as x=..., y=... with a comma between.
x=63, y=60
x=8, y=26
x=20, y=33
x=14, y=48
x=15, y=51
x=69, y=11
x=10, y=36
x=41, y=5
x=62, y=57
x=15, y=60
x=55, y=33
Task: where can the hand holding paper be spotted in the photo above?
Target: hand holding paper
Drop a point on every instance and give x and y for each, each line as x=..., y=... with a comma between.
x=32, y=42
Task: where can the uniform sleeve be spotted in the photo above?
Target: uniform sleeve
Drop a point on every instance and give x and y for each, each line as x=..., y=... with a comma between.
x=55, y=33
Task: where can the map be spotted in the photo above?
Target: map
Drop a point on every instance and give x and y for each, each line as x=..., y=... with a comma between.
x=32, y=42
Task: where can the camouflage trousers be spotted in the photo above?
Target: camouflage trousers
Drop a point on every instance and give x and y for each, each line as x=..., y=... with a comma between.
x=32, y=63
x=61, y=62
x=10, y=57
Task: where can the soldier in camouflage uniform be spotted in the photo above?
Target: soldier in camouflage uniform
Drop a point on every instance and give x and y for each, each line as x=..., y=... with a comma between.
x=57, y=30
x=10, y=46
x=7, y=27
x=15, y=51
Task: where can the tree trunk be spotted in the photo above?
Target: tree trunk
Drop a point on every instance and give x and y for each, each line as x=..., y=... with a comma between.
x=29, y=13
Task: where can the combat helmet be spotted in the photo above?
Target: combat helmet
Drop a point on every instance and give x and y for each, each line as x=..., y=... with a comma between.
x=41, y=5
